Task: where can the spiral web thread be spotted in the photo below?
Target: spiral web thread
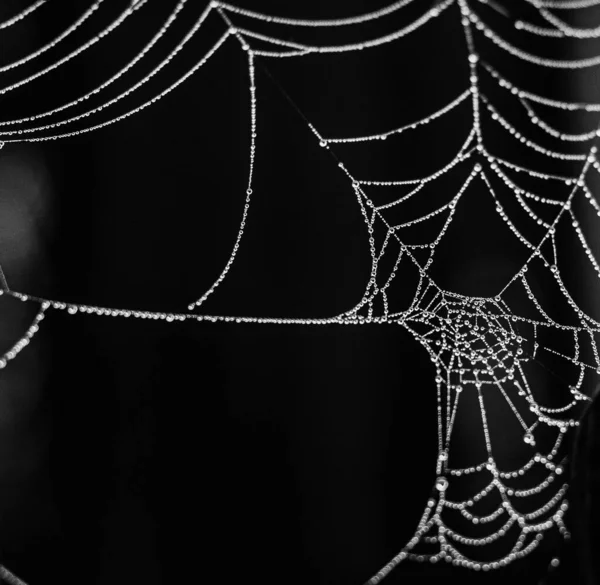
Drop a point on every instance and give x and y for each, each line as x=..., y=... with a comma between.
x=477, y=345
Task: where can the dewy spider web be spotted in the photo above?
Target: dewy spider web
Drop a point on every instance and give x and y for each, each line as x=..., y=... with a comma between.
x=478, y=345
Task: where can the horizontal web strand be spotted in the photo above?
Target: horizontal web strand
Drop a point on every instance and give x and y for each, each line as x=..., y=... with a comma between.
x=377, y=42
x=411, y=126
x=137, y=109
x=368, y=17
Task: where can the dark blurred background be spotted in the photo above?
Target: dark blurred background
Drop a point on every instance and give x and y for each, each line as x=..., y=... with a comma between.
x=144, y=452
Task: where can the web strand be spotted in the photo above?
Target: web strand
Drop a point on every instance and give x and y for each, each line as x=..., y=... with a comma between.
x=21, y=15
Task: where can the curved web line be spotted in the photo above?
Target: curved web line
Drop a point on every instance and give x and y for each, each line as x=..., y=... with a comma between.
x=191, y=33
x=112, y=79
x=51, y=44
x=350, y=47
x=132, y=111
x=21, y=15
x=529, y=57
x=568, y=4
x=370, y=16
x=561, y=26
x=106, y=31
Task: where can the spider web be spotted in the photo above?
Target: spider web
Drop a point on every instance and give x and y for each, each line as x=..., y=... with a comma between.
x=484, y=348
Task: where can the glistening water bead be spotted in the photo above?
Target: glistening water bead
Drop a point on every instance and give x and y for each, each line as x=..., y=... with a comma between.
x=441, y=484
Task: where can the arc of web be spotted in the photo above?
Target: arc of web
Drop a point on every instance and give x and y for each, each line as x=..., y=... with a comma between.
x=253, y=108
x=568, y=4
x=585, y=324
x=401, y=199
x=104, y=33
x=315, y=23
x=424, y=217
x=529, y=57
x=562, y=26
x=505, y=474
x=535, y=118
x=557, y=104
x=187, y=37
x=541, y=31
x=462, y=155
x=567, y=203
x=52, y=43
x=517, y=192
x=136, y=109
x=452, y=204
x=528, y=290
x=383, y=135
x=169, y=21
x=504, y=177
x=496, y=116
x=501, y=487
x=21, y=15
x=584, y=318
x=506, y=219
x=461, y=538
x=510, y=165
x=274, y=41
